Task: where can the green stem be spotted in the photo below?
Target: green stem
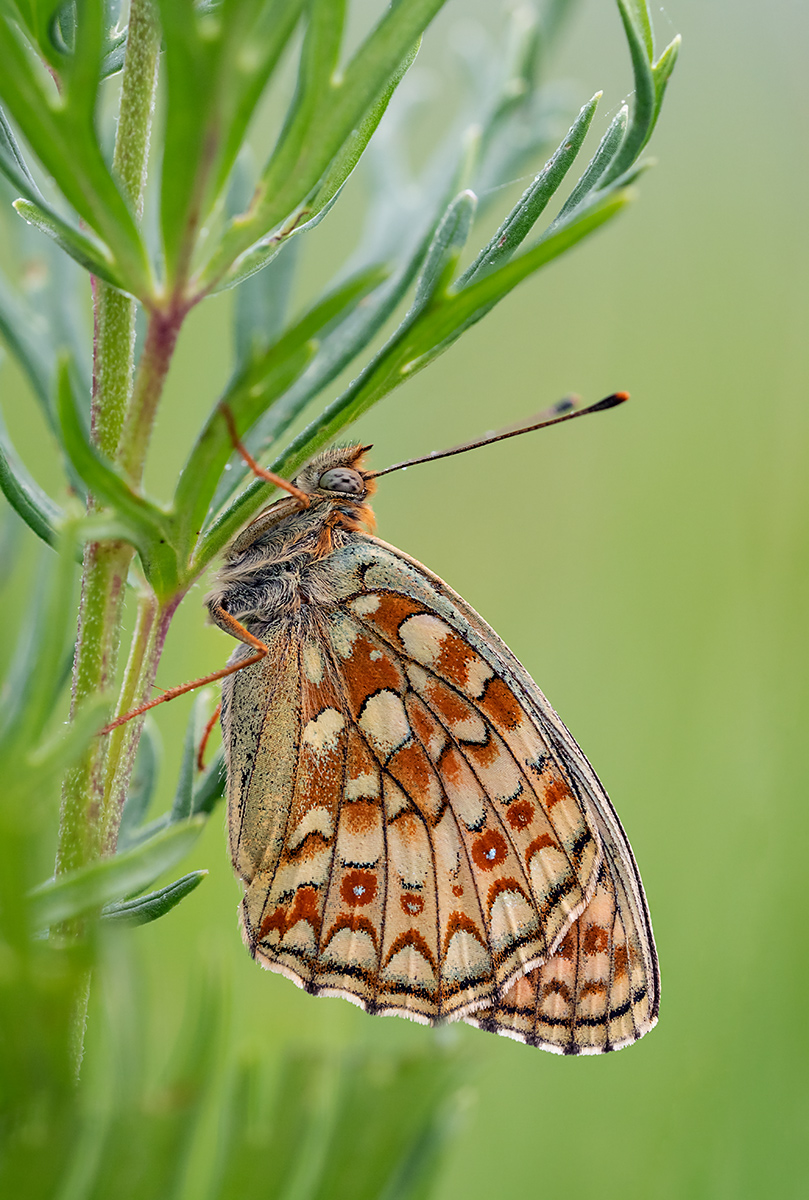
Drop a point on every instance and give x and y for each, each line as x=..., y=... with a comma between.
x=106, y=564
x=161, y=338
x=147, y=647
x=103, y=584
x=115, y=313
x=131, y=155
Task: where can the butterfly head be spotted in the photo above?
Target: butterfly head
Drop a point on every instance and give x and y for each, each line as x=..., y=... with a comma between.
x=333, y=480
x=337, y=475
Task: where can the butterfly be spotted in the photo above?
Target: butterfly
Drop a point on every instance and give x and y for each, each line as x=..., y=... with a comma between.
x=415, y=828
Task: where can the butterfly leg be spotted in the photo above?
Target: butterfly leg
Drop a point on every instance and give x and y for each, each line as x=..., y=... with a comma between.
x=204, y=740
x=262, y=473
x=230, y=625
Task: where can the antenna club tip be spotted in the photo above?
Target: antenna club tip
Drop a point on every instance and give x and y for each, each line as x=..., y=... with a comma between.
x=609, y=402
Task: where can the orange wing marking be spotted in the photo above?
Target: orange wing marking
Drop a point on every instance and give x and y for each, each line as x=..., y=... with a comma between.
x=554, y=878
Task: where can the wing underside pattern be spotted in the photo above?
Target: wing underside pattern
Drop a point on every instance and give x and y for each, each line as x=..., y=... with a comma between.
x=412, y=837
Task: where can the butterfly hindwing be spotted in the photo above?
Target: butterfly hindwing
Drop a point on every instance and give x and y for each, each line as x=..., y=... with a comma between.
x=435, y=844
x=416, y=829
x=594, y=994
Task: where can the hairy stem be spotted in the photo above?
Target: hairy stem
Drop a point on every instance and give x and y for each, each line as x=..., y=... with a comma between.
x=144, y=657
x=114, y=348
x=103, y=583
x=106, y=564
x=161, y=338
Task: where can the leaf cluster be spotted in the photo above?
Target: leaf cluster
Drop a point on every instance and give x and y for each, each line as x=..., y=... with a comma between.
x=218, y=62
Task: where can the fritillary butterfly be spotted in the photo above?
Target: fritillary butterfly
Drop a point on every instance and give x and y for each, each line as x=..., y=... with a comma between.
x=416, y=829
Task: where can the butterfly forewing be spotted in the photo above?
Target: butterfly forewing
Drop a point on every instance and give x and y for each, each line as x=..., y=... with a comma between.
x=417, y=830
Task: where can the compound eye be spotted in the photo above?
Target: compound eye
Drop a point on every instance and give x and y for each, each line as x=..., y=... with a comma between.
x=342, y=479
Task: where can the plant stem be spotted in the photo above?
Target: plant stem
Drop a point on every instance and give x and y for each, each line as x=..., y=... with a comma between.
x=106, y=564
x=131, y=155
x=161, y=338
x=144, y=656
x=114, y=349
x=103, y=583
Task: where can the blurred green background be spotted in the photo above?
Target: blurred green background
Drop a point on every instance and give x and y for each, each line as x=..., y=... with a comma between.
x=651, y=570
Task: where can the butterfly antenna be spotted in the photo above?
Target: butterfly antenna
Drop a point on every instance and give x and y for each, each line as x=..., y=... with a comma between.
x=563, y=410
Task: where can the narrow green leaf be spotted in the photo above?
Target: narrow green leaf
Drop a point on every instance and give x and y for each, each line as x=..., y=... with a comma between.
x=522, y=218
x=352, y=149
x=34, y=354
x=662, y=71
x=13, y=164
x=192, y=75
x=217, y=65
x=114, y=51
x=649, y=89
x=153, y=905
x=266, y=39
x=299, y=164
x=61, y=299
x=30, y=694
x=318, y=61
x=25, y=495
x=62, y=135
x=260, y=306
x=211, y=788
x=81, y=70
x=145, y=522
x=52, y=759
x=639, y=12
x=90, y=254
x=607, y=149
x=442, y=257
x=265, y=251
x=110, y=879
x=144, y=781
x=417, y=343
x=38, y=17
x=183, y=803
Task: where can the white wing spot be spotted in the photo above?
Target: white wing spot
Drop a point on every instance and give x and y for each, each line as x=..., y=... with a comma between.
x=315, y=820
x=365, y=785
x=322, y=732
x=312, y=662
x=384, y=722
x=343, y=633
x=422, y=637
x=364, y=606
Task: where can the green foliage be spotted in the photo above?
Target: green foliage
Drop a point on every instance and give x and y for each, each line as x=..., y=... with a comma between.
x=425, y=271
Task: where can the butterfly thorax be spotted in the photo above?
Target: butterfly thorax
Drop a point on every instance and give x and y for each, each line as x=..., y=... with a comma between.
x=279, y=563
